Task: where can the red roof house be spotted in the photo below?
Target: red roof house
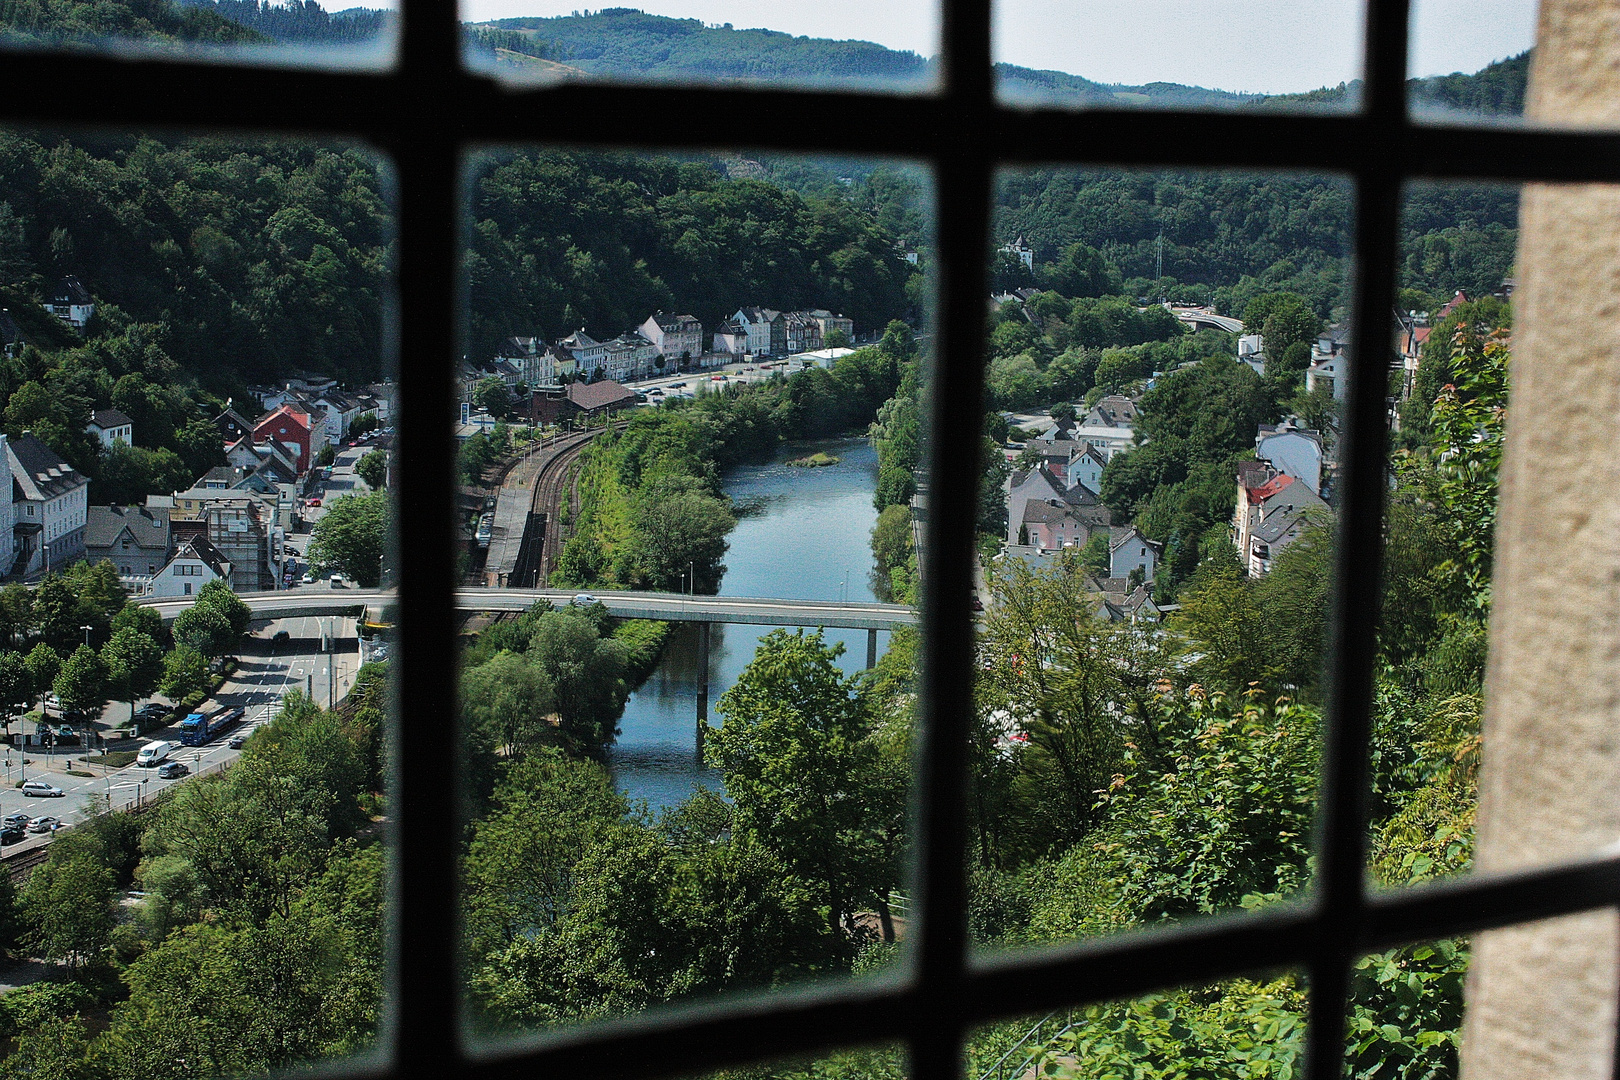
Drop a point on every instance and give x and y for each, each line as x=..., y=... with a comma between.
x=289, y=427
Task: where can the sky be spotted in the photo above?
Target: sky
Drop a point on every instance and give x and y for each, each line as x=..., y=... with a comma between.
x=1274, y=46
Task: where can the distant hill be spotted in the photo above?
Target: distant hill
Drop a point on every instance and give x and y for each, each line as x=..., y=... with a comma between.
x=64, y=22
x=624, y=41
x=302, y=21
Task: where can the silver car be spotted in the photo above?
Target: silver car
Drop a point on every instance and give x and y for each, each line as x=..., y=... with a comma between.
x=41, y=789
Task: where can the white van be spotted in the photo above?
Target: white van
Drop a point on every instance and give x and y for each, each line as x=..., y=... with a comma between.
x=153, y=753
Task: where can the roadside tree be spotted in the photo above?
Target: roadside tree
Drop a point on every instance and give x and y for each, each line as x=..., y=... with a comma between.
x=67, y=904
x=218, y=595
x=42, y=663
x=373, y=469
x=205, y=629
x=352, y=536
x=185, y=672
x=82, y=682
x=16, y=687
x=134, y=665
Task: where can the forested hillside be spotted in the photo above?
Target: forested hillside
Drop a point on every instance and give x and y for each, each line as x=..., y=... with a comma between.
x=60, y=22
x=564, y=240
x=1230, y=236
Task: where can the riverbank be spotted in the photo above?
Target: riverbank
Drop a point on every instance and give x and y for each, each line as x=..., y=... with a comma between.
x=807, y=536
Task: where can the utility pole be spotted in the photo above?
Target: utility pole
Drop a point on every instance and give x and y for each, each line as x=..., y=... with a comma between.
x=331, y=664
x=1159, y=268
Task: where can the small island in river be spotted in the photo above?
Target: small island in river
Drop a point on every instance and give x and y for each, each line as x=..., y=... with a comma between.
x=819, y=459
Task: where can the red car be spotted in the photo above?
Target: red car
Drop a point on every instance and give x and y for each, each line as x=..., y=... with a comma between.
x=313, y=502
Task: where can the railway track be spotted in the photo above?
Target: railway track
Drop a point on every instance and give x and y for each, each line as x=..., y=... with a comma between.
x=551, y=487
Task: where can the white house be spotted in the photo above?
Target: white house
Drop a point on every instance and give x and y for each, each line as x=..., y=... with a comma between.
x=1273, y=510
x=731, y=337
x=678, y=337
x=629, y=356
x=1292, y=450
x=1086, y=466
x=1129, y=550
x=51, y=503
x=589, y=354
x=194, y=564
x=766, y=330
x=110, y=425
x=71, y=302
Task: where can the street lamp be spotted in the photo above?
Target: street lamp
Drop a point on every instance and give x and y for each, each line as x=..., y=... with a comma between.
x=86, y=630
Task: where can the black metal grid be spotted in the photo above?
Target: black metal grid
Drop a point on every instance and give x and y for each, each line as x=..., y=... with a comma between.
x=428, y=111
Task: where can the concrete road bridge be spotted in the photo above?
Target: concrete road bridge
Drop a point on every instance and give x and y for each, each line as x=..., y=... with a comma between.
x=318, y=601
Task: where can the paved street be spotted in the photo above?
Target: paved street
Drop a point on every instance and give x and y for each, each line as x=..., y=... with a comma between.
x=268, y=670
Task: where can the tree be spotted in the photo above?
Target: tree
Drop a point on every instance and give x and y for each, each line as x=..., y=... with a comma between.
x=56, y=612
x=142, y=618
x=204, y=629
x=373, y=469
x=82, y=682
x=509, y=698
x=67, y=904
x=218, y=595
x=326, y=455
x=185, y=673
x=42, y=663
x=134, y=663
x=586, y=672
x=17, y=612
x=16, y=687
x=802, y=773
x=836, y=339
x=352, y=537
x=492, y=395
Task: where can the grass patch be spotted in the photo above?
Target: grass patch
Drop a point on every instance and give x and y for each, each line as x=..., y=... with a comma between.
x=80, y=772
x=113, y=759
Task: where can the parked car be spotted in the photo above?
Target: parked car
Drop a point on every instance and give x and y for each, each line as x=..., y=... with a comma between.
x=236, y=743
x=41, y=789
x=11, y=834
x=280, y=637
x=17, y=821
x=308, y=579
x=172, y=770
x=44, y=824
x=152, y=711
x=337, y=581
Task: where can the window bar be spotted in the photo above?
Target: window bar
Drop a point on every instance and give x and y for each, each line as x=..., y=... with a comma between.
x=425, y=1000
x=963, y=178
x=1341, y=844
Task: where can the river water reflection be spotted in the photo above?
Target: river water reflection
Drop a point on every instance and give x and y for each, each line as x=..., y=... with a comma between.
x=811, y=541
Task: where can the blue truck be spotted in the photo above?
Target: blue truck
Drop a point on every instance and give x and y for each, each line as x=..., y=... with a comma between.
x=199, y=729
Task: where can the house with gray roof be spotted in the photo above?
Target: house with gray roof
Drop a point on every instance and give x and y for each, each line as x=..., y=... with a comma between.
x=51, y=501
x=110, y=425
x=135, y=539
x=194, y=564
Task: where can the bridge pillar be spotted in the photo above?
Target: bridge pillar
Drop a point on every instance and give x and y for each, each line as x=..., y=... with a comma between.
x=871, y=648
x=703, y=686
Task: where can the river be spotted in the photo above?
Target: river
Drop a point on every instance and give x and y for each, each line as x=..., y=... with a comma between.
x=811, y=541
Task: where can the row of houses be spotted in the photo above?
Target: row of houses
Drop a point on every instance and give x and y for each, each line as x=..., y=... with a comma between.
x=665, y=340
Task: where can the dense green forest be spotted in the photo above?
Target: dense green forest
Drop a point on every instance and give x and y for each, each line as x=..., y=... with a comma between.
x=563, y=240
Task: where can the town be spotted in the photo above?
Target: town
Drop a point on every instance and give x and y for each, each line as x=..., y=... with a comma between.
x=683, y=697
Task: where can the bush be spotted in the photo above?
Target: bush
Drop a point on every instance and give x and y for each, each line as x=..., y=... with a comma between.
x=31, y=1006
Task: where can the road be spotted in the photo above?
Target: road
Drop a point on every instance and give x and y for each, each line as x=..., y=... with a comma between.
x=320, y=600
x=343, y=482
x=268, y=669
